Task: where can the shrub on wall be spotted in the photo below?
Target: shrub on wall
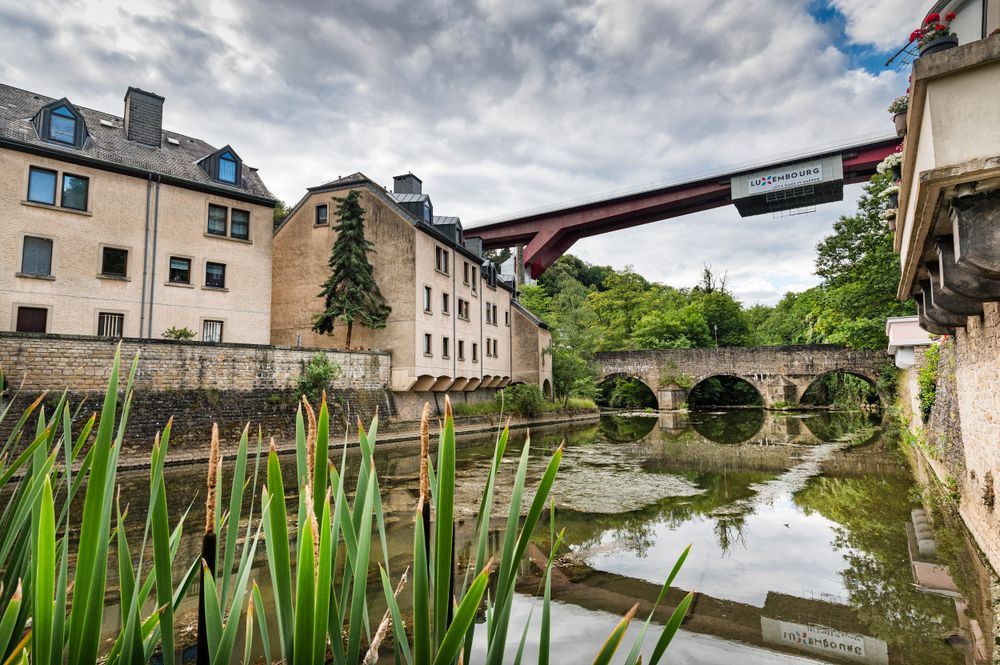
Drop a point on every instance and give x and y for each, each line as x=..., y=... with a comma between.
x=317, y=375
x=927, y=380
x=524, y=399
x=182, y=334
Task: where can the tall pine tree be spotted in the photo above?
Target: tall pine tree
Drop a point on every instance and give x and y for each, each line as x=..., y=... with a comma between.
x=350, y=293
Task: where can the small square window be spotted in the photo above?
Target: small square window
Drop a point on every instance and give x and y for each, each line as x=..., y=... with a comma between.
x=36, y=257
x=114, y=261
x=239, y=224
x=215, y=275
x=322, y=215
x=42, y=186
x=110, y=324
x=74, y=191
x=211, y=331
x=216, y=220
x=427, y=344
x=32, y=319
x=180, y=270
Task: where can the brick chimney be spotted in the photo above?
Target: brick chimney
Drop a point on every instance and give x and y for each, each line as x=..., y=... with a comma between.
x=143, y=117
x=407, y=184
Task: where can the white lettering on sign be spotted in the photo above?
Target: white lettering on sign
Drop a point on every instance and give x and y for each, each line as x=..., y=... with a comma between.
x=823, y=640
x=790, y=176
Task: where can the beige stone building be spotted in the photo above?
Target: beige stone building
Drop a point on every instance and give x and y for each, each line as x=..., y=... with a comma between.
x=113, y=226
x=455, y=324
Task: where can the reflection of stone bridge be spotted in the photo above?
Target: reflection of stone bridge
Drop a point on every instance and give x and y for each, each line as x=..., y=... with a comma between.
x=779, y=373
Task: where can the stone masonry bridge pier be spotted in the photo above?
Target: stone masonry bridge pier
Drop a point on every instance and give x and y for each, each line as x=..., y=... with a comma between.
x=779, y=373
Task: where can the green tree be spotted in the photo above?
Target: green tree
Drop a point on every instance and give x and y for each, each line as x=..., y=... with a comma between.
x=498, y=256
x=351, y=293
x=620, y=306
x=724, y=316
x=281, y=211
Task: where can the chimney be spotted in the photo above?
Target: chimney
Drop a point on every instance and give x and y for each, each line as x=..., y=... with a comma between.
x=143, y=117
x=407, y=184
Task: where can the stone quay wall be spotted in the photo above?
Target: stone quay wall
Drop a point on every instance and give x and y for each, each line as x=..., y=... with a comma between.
x=196, y=383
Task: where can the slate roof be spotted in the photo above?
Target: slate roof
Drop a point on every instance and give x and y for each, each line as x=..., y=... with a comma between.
x=109, y=147
x=445, y=219
x=409, y=198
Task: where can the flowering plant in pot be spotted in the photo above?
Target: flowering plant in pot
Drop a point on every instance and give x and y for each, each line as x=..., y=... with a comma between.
x=889, y=217
x=892, y=194
x=935, y=35
x=898, y=110
x=893, y=163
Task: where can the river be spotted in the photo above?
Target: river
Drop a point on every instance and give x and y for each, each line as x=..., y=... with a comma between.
x=798, y=526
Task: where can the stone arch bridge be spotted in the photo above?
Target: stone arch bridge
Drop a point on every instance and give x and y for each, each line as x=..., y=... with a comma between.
x=779, y=373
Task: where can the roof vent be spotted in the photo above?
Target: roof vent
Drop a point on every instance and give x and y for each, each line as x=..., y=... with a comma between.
x=106, y=123
x=172, y=141
x=407, y=184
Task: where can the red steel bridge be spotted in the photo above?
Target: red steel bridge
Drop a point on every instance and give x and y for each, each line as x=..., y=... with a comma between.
x=547, y=233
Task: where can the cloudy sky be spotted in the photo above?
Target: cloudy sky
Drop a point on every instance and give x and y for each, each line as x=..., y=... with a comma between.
x=501, y=105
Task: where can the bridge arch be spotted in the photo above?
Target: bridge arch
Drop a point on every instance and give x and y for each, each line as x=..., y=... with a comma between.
x=815, y=383
x=608, y=377
x=738, y=390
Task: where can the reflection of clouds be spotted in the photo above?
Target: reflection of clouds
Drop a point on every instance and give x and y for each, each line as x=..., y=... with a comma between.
x=798, y=559
x=577, y=636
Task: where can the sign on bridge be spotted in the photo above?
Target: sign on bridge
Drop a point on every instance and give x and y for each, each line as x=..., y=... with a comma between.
x=791, y=187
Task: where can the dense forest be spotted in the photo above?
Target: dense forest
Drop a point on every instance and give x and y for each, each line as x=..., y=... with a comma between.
x=597, y=308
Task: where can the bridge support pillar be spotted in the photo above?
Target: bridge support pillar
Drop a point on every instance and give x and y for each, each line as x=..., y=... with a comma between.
x=782, y=391
x=671, y=398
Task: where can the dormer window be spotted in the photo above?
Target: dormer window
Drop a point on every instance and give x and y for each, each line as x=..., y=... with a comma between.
x=62, y=125
x=60, y=122
x=227, y=168
x=427, y=212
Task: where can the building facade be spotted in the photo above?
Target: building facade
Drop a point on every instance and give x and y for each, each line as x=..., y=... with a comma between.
x=455, y=324
x=948, y=236
x=113, y=226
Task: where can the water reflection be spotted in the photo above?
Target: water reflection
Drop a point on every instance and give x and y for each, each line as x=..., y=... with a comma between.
x=798, y=526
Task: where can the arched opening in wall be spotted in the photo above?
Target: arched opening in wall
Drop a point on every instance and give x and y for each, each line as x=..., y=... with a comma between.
x=620, y=391
x=842, y=390
x=547, y=389
x=724, y=391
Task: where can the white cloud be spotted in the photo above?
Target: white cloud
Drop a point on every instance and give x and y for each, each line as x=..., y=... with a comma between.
x=883, y=23
x=498, y=106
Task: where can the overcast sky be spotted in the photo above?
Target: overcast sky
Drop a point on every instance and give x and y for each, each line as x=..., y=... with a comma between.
x=501, y=105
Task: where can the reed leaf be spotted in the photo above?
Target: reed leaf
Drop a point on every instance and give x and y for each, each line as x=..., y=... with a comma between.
x=607, y=651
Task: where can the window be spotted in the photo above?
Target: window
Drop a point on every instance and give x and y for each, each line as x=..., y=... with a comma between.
x=42, y=186
x=180, y=270
x=427, y=299
x=239, y=224
x=74, y=191
x=506, y=318
x=445, y=303
x=475, y=352
x=427, y=212
x=445, y=347
x=427, y=344
x=496, y=321
x=215, y=275
x=461, y=350
x=489, y=346
x=211, y=331
x=475, y=278
x=463, y=309
x=110, y=324
x=216, y=220
x=227, y=168
x=114, y=262
x=62, y=125
x=36, y=257
x=488, y=314
x=441, y=260
x=32, y=319
x=465, y=272
x=322, y=215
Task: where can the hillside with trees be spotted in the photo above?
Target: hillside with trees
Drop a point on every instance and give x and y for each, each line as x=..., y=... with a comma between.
x=597, y=308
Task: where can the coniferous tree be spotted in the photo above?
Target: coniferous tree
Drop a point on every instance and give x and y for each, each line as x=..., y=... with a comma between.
x=350, y=293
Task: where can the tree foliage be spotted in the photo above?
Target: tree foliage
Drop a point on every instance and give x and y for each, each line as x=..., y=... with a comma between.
x=351, y=293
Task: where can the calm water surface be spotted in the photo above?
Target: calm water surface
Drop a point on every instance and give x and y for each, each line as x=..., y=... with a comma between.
x=798, y=525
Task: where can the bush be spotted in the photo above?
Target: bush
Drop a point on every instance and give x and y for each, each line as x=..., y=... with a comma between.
x=524, y=399
x=927, y=380
x=181, y=334
x=317, y=375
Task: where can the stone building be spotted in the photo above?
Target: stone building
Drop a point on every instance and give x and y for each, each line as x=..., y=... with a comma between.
x=114, y=226
x=455, y=324
x=948, y=238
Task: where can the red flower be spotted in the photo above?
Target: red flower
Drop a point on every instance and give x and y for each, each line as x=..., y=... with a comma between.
x=950, y=16
x=931, y=18
x=915, y=35
x=939, y=26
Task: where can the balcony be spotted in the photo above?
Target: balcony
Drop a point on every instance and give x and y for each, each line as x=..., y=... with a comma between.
x=948, y=224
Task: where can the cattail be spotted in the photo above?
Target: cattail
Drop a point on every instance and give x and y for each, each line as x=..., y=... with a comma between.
x=314, y=524
x=425, y=452
x=447, y=409
x=383, y=628
x=310, y=440
x=213, y=476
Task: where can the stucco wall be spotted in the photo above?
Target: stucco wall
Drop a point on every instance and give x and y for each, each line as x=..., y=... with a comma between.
x=116, y=217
